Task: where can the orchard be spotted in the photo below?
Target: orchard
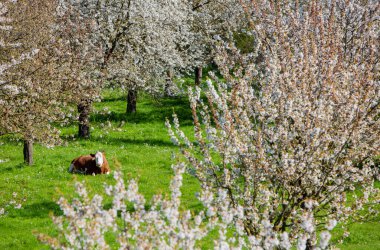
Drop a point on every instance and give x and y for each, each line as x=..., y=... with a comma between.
x=226, y=124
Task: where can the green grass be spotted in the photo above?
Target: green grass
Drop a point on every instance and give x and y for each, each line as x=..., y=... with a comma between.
x=362, y=236
x=139, y=142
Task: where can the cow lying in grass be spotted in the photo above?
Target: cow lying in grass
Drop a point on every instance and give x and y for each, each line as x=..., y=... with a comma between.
x=90, y=164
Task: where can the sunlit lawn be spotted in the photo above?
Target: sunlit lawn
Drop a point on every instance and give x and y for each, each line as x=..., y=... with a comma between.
x=139, y=142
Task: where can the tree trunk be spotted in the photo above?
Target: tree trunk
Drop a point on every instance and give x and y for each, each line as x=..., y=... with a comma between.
x=131, y=101
x=28, y=152
x=84, y=109
x=198, y=75
x=169, y=79
x=309, y=245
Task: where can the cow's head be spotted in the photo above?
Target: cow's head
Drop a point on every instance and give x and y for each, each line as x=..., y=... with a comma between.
x=99, y=159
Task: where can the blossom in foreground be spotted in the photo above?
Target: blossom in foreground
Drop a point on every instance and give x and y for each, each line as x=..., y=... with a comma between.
x=163, y=225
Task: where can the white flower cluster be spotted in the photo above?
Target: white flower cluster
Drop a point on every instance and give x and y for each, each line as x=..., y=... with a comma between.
x=32, y=96
x=163, y=225
x=146, y=43
x=5, y=26
x=139, y=41
x=294, y=125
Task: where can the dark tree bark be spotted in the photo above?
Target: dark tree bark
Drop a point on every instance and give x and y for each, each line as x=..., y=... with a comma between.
x=131, y=101
x=28, y=152
x=84, y=108
x=309, y=245
x=198, y=75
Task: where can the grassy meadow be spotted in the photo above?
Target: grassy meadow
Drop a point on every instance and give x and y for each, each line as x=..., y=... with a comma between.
x=140, y=144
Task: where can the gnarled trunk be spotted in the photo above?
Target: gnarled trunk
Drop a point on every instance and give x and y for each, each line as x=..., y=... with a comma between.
x=28, y=152
x=198, y=75
x=131, y=101
x=84, y=108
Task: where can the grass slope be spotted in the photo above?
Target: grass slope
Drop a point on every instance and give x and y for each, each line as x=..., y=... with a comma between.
x=139, y=142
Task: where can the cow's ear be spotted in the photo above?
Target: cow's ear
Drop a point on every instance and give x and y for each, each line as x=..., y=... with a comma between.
x=92, y=155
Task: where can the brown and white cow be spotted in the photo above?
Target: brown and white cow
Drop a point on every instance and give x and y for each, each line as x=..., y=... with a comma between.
x=90, y=164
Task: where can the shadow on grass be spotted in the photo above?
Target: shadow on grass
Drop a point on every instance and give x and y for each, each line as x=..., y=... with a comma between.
x=40, y=210
x=12, y=168
x=114, y=99
x=148, y=111
x=157, y=113
x=138, y=142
